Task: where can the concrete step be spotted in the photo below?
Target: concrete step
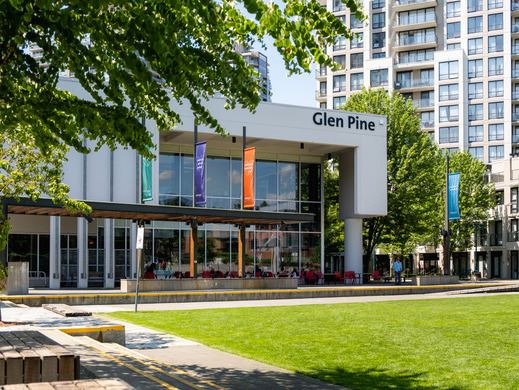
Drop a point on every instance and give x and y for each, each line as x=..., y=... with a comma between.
x=159, y=370
x=66, y=310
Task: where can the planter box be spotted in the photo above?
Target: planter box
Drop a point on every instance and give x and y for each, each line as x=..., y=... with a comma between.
x=128, y=285
x=18, y=278
x=430, y=280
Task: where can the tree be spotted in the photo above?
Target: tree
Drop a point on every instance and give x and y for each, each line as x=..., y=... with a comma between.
x=476, y=198
x=413, y=174
x=133, y=58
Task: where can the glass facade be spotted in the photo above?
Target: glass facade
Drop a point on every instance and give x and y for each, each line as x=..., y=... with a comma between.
x=281, y=186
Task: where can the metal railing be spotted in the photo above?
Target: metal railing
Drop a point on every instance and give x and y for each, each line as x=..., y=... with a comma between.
x=407, y=2
x=416, y=41
x=38, y=279
x=427, y=125
x=422, y=103
x=413, y=83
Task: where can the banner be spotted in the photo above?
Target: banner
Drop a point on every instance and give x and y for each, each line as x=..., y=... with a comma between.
x=453, y=185
x=146, y=180
x=200, y=174
x=249, y=157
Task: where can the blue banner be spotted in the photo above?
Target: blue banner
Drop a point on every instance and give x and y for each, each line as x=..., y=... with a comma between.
x=200, y=174
x=453, y=184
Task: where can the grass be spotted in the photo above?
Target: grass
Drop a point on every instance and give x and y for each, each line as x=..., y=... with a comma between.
x=466, y=343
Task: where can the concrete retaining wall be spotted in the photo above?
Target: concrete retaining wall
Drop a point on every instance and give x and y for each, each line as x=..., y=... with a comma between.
x=128, y=285
x=431, y=280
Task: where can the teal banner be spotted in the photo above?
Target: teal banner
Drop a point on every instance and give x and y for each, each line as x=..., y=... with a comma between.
x=453, y=185
x=146, y=180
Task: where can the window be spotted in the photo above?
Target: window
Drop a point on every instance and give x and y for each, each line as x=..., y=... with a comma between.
x=404, y=80
x=338, y=102
x=475, y=46
x=378, y=77
x=322, y=105
x=515, y=135
x=339, y=83
x=475, y=24
x=495, y=43
x=476, y=152
x=356, y=81
x=495, y=66
x=377, y=4
x=495, y=88
x=475, y=90
x=339, y=44
x=448, y=92
x=496, y=110
x=356, y=60
x=379, y=40
x=514, y=199
x=427, y=119
x=496, y=132
x=449, y=113
x=453, y=46
x=476, y=133
x=453, y=30
x=448, y=70
x=475, y=5
x=475, y=112
x=427, y=99
x=354, y=22
x=340, y=60
x=322, y=88
x=450, y=151
x=448, y=135
x=496, y=152
x=338, y=5
x=453, y=9
x=475, y=68
x=381, y=54
x=427, y=76
x=378, y=20
x=495, y=22
x=416, y=16
x=357, y=41
x=407, y=57
x=416, y=37
x=492, y=4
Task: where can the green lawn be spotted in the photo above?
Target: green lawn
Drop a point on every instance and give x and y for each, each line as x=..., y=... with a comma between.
x=465, y=343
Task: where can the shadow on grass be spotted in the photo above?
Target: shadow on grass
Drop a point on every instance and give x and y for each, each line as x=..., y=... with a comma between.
x=375, y=379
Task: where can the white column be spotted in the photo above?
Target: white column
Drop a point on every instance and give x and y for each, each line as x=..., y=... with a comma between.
x=353, y=250
x=109, y=254
x=133, y=251
x=55, y=252
x=82, y=252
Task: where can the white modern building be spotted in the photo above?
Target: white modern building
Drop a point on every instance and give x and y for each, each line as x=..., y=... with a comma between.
x=285, y=230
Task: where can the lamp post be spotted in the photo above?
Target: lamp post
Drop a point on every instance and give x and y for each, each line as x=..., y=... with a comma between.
x=446, y=229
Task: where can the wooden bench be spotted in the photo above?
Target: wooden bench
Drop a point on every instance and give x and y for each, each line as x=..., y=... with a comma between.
x=90, y=384
x=29, y=356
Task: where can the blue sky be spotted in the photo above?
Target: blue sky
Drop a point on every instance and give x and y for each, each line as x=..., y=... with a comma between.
x=298, y=90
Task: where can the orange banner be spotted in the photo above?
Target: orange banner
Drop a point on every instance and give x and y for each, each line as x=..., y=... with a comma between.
x=249, y=160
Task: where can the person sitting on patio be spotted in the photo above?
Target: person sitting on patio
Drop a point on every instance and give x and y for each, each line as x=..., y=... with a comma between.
x=294, y=273
x=149, y=272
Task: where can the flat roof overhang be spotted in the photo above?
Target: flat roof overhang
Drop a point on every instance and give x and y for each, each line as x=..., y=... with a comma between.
x=158, y=213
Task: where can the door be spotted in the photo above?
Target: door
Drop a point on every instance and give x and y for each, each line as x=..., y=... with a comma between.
x=514, y=264
x=495, y=266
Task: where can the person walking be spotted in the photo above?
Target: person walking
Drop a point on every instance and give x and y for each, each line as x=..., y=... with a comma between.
x=397, y=269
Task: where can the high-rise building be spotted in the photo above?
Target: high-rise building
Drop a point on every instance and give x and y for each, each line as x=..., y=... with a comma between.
x=458, y=60
x=259, y=62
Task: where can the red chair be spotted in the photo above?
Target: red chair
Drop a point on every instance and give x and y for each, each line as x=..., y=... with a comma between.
x=233, y=274
x=311, y=277
x=257, y=274
x=206, y=275
x=268, y=274
x=219, y=274
x=376, y=275
x=187, y=274
x=177, y=275
x=350, y=276
x=339, y=278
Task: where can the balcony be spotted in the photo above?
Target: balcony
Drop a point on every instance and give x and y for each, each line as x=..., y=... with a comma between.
x=515, y=5
x=427, y=125
x=423, y=103
x=405, y=84
x=320, y=94
x=515, y=49
x=429, y=21
x=403, y=5
x=319, y=73
x=515, y=116
x=418, y=42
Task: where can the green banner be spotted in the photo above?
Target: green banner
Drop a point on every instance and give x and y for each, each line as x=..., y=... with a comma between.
x=147, y=175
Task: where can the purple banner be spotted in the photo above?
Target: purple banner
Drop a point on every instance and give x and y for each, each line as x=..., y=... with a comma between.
x=200, y=174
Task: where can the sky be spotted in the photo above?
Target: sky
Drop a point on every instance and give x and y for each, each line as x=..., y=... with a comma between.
x=297, y=90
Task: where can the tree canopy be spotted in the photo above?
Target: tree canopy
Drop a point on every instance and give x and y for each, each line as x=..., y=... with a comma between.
x=133, y=58
x=416, y=180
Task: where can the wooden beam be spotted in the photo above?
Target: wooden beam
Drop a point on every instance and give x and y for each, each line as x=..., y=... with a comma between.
x=241, y=250
x=193, y=244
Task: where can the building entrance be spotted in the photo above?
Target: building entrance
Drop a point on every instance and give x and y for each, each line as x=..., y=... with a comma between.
x=460, y=262
x=495, y=266
x=514, y=264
